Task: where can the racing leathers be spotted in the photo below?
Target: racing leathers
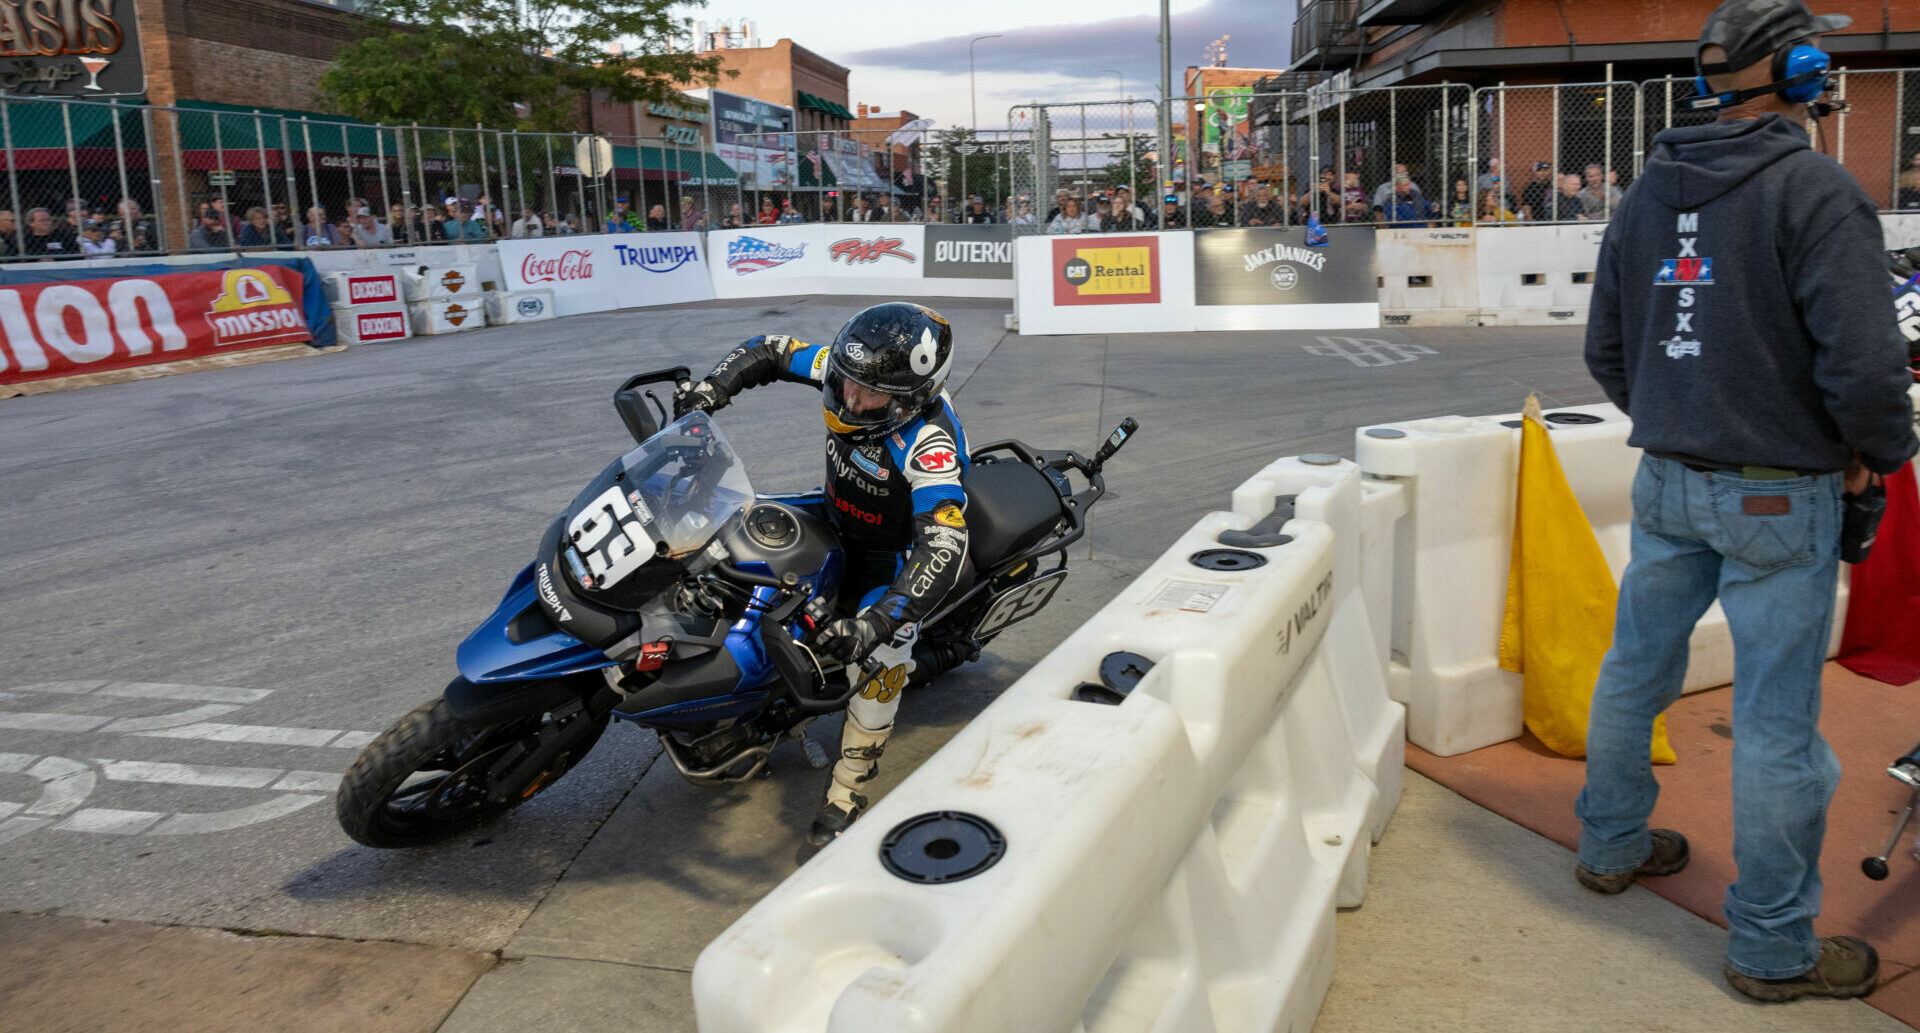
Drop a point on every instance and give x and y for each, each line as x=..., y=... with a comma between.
x=899, y=508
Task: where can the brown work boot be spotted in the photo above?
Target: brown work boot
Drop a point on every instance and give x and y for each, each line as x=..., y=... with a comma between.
x=1669, y=856
x=1848, y=967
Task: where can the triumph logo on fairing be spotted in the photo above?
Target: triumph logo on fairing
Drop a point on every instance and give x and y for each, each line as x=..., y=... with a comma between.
x=544, y=582
x=1315, y=260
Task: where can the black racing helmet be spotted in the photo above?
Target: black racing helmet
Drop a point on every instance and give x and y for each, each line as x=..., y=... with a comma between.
x=899, y=350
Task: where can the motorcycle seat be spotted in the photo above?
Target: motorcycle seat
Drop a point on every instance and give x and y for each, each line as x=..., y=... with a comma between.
x=1010, y=507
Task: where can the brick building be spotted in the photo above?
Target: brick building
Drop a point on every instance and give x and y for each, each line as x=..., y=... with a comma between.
x=789, y=74
x=267, y=53
x=1647, y=46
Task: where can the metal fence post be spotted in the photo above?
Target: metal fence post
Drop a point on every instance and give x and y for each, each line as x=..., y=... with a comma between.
x=73, y=165
x=292, y=185
x=260, y=156
x=506, y=189
x=1899, y=123
x=1639, y=129
x=155, y=186
x=120, y=159
x=1606, y=196
x=553, y=189
x=13, y=177
x=180, y=181
x=313, y=175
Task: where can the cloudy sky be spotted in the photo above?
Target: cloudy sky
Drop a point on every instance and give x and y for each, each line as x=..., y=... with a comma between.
x=914, y=56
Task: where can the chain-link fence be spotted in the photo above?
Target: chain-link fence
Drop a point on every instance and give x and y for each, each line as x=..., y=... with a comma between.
x=1560, y=153
x=90, y=178
x=1066, y=159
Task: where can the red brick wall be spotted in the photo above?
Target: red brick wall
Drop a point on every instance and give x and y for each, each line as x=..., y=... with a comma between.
x=1535, y=23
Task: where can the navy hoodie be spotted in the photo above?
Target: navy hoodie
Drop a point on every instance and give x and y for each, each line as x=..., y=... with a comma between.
x=1740, y=313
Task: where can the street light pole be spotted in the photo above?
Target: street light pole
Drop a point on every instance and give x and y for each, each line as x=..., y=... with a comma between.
x=1166, y=96
x=973, y=93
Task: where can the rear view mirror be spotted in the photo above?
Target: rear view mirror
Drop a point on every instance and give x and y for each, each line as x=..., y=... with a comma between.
x=641, y=412
x=631, y=403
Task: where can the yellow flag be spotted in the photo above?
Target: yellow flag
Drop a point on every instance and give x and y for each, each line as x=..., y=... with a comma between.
x=1560, y=602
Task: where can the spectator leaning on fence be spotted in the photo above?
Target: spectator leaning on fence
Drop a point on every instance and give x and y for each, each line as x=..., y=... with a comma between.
x=1460, y=204
x=259, y=231
x=367, y=232
x=1381, y=192
x=93, y=238
x=462, y=223
x=1909, y=193
x=211, y=234
x=1404, y=205
x=528, y=225
x=789, y=215
x=44, y=240
x=1600, y=201
x=1071, y=219
x=1489, y=208
x=1127, y=216
x=1538, y=191
x=9, y=235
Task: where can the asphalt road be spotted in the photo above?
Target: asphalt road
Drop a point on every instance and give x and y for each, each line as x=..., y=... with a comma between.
x=215, y=587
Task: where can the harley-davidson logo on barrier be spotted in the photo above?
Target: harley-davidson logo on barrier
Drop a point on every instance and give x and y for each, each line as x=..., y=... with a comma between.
x=253, y=309
x=854, y=250
x=1107, y=271
x=457, y=313
x=453, y=281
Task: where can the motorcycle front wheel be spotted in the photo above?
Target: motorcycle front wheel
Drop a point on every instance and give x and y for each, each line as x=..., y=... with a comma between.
x=425, y=779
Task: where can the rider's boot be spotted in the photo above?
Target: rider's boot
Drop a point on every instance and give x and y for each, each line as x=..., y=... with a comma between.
x=860, y=749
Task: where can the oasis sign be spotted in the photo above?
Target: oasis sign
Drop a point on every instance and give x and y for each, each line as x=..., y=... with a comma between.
x=70, y=48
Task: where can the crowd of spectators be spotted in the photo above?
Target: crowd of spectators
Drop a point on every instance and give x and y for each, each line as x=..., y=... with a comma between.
x=1333, y=198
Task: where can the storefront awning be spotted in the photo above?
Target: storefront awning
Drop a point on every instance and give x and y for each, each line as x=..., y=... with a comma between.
x=37, y=136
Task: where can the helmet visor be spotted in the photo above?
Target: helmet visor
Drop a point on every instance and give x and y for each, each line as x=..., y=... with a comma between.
x=852, y=405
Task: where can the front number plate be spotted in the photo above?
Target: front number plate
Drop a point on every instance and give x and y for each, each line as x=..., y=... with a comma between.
x=1020, y=602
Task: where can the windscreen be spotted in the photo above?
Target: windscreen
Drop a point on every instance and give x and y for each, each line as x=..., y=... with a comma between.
x=679, y=487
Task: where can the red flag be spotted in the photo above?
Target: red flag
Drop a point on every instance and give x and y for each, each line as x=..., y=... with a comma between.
x=1882, y=636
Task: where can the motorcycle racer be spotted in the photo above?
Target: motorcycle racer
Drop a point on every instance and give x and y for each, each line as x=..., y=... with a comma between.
x=895, y=455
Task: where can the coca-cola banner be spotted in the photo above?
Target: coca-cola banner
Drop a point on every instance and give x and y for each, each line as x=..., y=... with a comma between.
x=594, y=273
x=86, y=326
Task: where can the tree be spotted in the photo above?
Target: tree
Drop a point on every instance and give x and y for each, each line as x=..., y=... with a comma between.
x=962, y=164
x=1139, y=175
x=527, y=64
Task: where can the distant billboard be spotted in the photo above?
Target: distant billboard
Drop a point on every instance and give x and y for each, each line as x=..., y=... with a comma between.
x=86, y=49
x=754, y=137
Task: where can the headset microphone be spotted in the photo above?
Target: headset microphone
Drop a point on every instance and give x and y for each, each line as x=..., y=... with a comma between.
x=1799, y=73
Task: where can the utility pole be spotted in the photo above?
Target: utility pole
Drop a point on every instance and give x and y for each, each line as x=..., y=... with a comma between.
x=1166, y=98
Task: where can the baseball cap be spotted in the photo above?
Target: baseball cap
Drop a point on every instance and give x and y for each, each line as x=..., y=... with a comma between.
x=451, y=200
x=1538, y=165
x=1750, y=31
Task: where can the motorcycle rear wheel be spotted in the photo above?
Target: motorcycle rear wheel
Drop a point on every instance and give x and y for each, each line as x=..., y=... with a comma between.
x=381, y=802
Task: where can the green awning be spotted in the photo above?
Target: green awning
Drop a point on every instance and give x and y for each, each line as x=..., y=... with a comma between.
x=841, y=112
x=695, y=167
x=38, y=126
x=822, y=105
x=240, y=128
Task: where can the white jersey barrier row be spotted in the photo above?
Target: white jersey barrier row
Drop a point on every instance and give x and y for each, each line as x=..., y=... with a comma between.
x=1172, y=862
x=1450, y=550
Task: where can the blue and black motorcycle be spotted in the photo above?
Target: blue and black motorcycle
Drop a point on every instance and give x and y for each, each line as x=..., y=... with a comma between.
x=669, y=594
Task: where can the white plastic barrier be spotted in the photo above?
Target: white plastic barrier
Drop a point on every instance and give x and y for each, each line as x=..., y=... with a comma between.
x=440, y=282
x=448, y=315
x=372, y=324
x=1536, y=275
x=363, y=288
x=1171, y=863
x=506, y=307
x=1451, y=549
x=1428, y=277
x=1900, y=230
x=602, y=271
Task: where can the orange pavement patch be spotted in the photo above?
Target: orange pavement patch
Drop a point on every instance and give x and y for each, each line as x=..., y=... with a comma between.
x=1869, y=724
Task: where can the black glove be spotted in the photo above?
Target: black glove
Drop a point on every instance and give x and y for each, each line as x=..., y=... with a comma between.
x=851, y=639
x=706, y=396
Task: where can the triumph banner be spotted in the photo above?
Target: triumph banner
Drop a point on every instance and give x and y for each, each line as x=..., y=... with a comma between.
x=1274, y=266
x=89, y=49
x=86, y=326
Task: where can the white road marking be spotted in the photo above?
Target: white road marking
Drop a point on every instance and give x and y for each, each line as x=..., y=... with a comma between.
x=7, y=807
x=109, y=821
x=14, y=828
x=189, y=716
x=269, y=734
x=222, y=821
x=51, y=722
x=14, y=763
x=188, y=774
x=151, y=690
x=352, y=740
x=307, y=782
x=64, y=785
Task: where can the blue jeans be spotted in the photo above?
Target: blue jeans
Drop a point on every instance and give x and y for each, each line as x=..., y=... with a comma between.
x=1697, y=535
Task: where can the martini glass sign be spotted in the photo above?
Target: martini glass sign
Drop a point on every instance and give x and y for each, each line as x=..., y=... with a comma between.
x=94, y=66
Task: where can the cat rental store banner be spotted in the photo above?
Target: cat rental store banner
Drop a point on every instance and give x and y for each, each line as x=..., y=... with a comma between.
x=1228, y=279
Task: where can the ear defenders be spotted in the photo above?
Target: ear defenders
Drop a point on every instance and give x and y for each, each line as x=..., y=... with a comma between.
x=1799, y=75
